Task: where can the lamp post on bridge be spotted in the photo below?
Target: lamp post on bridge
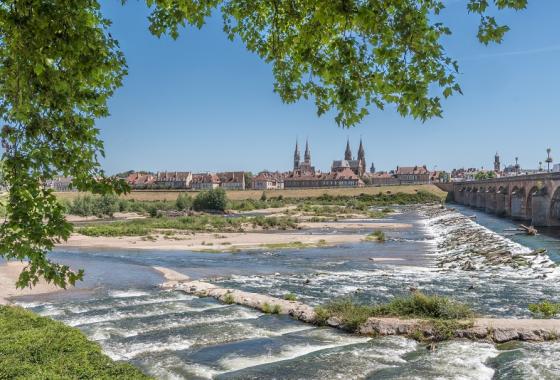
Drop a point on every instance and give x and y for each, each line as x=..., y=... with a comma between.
x=516, y=165
x=548, y=159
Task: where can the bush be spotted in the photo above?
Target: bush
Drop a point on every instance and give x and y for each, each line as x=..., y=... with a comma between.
x=545, y=309
x=106, y=205
x=183, y=202
x=88, y=205
x=228, y=298
x=271, y=309
x=263, y=197
x=211, y=200
x=376, y=236
x=34, y=347
x=290, y=297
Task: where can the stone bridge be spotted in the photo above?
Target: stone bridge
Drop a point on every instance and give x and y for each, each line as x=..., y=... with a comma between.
x=534, y=198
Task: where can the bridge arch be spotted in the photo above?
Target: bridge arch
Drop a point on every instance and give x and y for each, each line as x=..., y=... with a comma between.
x=529, y=204
x=555, y=205
x=518, y=202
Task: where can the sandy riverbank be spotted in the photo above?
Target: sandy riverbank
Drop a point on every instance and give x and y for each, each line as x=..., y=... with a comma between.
x=212, y=241
x=354, y=224
x=329, y=235
x=9, y=273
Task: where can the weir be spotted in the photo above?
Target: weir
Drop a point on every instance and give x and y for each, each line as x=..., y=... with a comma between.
x=534, y=198
x=498, y=330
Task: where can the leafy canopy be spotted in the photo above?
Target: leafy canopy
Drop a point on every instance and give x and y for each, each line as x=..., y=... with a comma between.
x=59, y=65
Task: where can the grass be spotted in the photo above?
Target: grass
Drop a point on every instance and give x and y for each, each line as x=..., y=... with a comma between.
x=545, y=309
x=228, y=298
x=199, y=223
x=376, y=236
x=290, y=297
x=271, y=309
x=442, y=312
x=34, y=347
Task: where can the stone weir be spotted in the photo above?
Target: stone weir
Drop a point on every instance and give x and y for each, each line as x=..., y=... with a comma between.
x=498, y=330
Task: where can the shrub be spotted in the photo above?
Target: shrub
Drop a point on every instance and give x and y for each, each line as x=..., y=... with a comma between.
x=290, y=297
x=82, y=206
x=271, y=309
x=211, y=200
x=545, y=309
x=88, y=205
x=153, y=211
x=106, y=205
x=376, y=236
x=263, y=197
x=228, y=298
x=183, y=202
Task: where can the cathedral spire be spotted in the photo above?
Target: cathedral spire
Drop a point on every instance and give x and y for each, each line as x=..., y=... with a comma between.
x=307, y=154
x=297, y=156
x=348, y=152
x=362, y=157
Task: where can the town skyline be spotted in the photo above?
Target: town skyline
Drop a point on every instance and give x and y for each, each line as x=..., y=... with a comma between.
x=209, y=105
x=354, y=152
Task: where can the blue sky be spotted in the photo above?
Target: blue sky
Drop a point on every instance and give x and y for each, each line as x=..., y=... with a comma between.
x=203, y=103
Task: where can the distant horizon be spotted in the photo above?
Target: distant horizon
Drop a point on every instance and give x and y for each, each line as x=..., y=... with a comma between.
x=354, y=150
x=204, y=103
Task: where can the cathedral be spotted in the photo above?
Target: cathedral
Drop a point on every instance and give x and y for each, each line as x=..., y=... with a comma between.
x=303, y=168
x=358, y=165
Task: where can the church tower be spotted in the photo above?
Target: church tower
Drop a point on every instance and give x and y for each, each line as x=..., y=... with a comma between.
x=497, y=162
x=362, y=157
x=297, y=157
x=348, y=152
x=372, y=168
x=307, y=154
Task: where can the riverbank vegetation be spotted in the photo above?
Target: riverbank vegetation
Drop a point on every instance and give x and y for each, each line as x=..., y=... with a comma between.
x=376, y=236
x=205, y=213
x=34, y=347
x=442, y=313
x=545, y=309
x=198, y=223
x=217, y=201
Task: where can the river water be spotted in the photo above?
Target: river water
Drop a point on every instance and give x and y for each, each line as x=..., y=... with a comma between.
x=171, y=335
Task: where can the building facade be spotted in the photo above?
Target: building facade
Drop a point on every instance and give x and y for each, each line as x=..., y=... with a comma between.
x=59, y=183
x=232, y=180
x=266, y=180
x=173, y=180
x=344, y=178
x=412, y=174
x=205, y=181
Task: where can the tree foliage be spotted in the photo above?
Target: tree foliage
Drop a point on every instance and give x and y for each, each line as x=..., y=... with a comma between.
x=347, y=55
x=482, y=175
x=59, y=65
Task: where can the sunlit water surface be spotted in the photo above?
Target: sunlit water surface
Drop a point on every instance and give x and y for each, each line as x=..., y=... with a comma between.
x=172, y=335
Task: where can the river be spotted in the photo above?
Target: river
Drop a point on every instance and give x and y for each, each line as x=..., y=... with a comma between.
x=171, y=335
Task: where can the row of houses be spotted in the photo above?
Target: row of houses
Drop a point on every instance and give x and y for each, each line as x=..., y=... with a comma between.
x=403, y=175
x=267, y=180
x=187, y=180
